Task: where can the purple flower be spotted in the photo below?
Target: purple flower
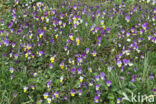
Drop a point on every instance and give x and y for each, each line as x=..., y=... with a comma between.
x=48, y=83
x=73, y=70
x=80, y=92
x=97, y=78
x=72, y=92
x=11, y=70
x=118, y=100
x=87, y=50
x=102, y=74
x=127, y=18
x=94, y=53
x=108, y=30
x=11, y=76
x=98, y=93
x=97, y=87
x=79, y=70
x=50, y=65
x=119, y=63
x=96, y=99
x=125, y=61
x=133, y=78
x=108, y=83
x=80, y=60
x=41, y=53
x=56, y=94
x=14, y=94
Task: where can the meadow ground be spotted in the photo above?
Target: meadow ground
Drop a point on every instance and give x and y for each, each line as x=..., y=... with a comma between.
x=77, y=52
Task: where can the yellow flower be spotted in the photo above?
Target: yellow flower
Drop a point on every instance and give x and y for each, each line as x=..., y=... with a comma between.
x=61, y=80
x=26, y=55
x=56, y=36
x=119, y=65
x=81, y=78
x=71, y=37
x=25, y=49
x=72, y=94
x=49, y=100
x=47, y=20
x=45, y=28
x=52, y=59
x=75, y=19
x=25, y=89
x=62, y=66
x=42, y=18
x=45, y=97
x=77, y=41
x=40, y=35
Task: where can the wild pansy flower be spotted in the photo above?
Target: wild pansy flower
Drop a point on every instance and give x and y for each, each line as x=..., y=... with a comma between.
x=97, y=87
x=10, y=54
x=127, y=18
x=48, y=84
x=14, y=94
x=25, y=89
x=132, y=30
x=45, y=95
x=52, y=59
x=60, y=22
x=41, y=53
x=118, y=100
x=122, y=31
x=11, y=76
x=75, y=7
x=13, y=45
x=72, y=92
x=154, y=90
x=102, y=22
x=26, y=55
x=39, y=4
x=78, y=41
x=90, y=70
x=42, y=18
x=61, y=79
x=108, y=83
x=11, y=70
x=56, y=94
x=71, y=37
x=110, y=68
x=79, y=70
x=86, y=24
x=125, y=61
x=108, y=30
x=97, y=78
x=96, y=99
x=50, y=65
x=49, y=100
x=53, y=97
x=102, y=74
x=80, y=92
x=119, y=63
x=81, y=78
x=94, y=53
x=62, y=65
x=32, y=87
x=87, y=50
x=133, y=78
x=73, y=70
x=91, y=83
x=80, y=60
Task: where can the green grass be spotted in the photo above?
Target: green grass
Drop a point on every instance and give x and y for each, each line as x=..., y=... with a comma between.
x=108, y=51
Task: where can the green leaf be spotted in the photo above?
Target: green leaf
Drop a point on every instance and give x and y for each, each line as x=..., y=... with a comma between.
x=110, y=96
